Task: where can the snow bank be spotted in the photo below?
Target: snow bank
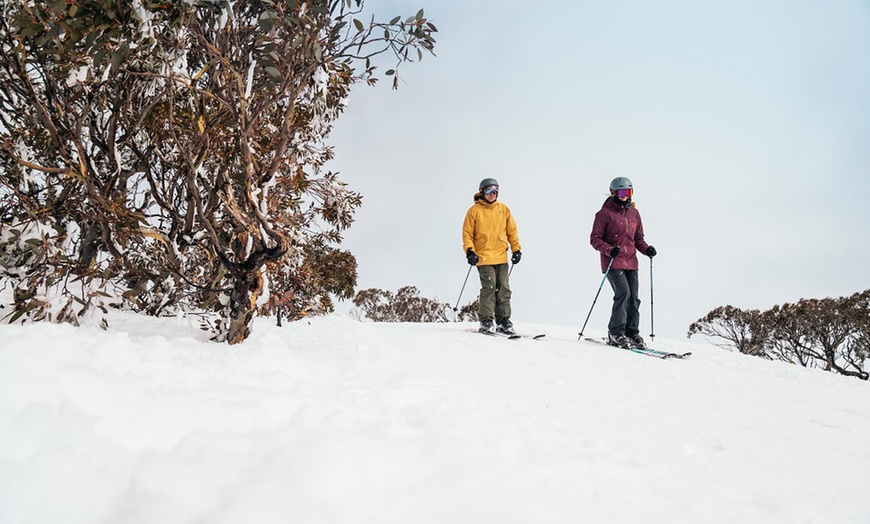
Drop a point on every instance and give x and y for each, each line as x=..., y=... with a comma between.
x=333, y=421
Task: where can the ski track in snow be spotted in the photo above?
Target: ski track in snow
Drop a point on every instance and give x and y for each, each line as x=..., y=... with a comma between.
x=330, y=420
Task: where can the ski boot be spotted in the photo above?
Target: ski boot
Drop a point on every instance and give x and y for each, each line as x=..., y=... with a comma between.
x=506, y=327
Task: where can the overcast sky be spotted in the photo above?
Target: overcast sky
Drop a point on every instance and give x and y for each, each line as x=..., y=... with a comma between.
x=744, y=126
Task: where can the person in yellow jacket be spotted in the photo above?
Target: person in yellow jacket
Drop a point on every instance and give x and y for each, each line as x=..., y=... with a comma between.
x=489, y=229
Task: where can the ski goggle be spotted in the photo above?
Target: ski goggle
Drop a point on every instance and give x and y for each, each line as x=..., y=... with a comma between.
x=623, y=193
x=488, y=190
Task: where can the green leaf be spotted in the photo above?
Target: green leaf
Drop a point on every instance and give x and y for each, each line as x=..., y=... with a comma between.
x=24, y=311
x=359, y=25
x=390, y=72
x=267, y=20
x=419, y=15
x=395, y=21
x=58, y=6
x=98, y=57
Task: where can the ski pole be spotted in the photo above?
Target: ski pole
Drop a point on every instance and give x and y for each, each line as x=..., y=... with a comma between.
x=456, y=307
x=596, y=299
x=652, y=334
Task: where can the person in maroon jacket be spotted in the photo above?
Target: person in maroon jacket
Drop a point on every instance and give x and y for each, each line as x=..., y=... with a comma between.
x=617, y=234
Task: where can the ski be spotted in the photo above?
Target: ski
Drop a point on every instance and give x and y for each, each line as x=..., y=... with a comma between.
x=642, y=351
x=515, y=336
x=539, y=336
x=496, y=334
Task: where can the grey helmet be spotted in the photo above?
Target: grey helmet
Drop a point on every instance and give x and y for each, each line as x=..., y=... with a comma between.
x=620, y=182
x=488, y=182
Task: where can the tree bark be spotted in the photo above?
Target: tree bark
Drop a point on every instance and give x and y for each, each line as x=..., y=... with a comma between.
x=243, y=303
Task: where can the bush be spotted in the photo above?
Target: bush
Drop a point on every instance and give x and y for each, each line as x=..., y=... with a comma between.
x=831, y=333
x=406, y=305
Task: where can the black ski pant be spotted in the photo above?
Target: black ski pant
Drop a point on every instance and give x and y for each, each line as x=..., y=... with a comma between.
x=625, y=315
x=495, y=293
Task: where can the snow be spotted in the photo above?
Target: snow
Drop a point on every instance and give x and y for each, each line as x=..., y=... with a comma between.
x=146, y=19
x=331, y=420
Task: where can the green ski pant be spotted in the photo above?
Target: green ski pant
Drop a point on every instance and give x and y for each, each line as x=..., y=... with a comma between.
x=495, y=293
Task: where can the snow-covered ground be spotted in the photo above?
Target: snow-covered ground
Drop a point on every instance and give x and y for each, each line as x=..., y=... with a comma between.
x=331, y=420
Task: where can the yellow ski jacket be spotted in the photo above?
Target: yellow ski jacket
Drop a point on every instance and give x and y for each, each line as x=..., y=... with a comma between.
x=489, y=229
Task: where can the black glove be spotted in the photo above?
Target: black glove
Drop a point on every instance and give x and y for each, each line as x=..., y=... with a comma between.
x=515, y=258
x=615, y=251
x=650, y=251
x=471, y=256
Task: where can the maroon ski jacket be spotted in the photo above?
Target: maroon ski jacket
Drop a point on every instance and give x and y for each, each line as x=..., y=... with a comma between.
x=617, y=225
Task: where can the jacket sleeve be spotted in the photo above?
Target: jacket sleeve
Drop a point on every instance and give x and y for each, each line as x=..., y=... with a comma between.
x=639, y=241
x=512, y=235
x=468, y=231
x=596, y=238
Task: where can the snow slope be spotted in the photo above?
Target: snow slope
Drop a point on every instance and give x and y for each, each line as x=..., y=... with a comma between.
x=330, y=420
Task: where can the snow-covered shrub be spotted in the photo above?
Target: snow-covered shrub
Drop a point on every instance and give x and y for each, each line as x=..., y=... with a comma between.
x=405, y=305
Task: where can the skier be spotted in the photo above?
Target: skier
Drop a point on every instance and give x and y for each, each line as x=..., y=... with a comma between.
x=617, y=233
x=488, y=230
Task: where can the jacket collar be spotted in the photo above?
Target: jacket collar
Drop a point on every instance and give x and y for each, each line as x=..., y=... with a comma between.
x=478, y=199
x=611, y=203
